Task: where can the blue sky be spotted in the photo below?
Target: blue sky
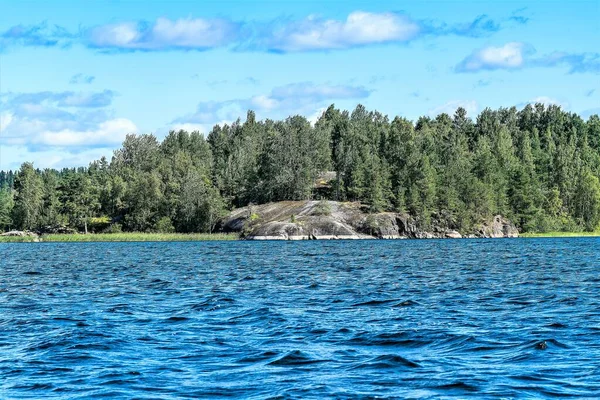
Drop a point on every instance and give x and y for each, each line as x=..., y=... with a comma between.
x=76, y=76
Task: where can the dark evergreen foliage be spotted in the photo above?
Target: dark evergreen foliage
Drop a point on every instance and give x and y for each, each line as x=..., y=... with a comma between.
x=539, y=167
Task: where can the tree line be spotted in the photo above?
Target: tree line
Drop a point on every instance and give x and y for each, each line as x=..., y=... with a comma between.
x=539, y=167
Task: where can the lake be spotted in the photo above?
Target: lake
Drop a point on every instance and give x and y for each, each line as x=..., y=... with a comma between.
x=315, y=319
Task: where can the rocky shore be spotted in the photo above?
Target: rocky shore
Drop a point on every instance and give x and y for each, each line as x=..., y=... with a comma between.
x=318, y=220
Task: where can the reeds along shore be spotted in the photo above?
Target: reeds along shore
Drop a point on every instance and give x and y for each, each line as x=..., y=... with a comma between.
x=560, y=234
x=122, y=237
x=197, y=237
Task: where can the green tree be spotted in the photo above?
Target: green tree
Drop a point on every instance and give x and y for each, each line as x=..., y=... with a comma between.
x=538, y=166
x=139, y=153
x=201, y=205
x=79, y=200
x=402, y=157
x=51, y=209
x=6, y=207
x=294, y=154
x=587, y=199
x=29, y=201
x=142, y=202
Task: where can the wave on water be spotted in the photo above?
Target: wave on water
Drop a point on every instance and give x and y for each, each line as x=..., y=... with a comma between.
x=376, y=319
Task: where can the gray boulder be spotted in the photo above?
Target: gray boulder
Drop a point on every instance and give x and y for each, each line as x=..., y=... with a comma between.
x=453, y=235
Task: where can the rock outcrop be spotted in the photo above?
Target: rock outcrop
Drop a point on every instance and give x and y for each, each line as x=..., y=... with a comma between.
x=499, y=227
x=304, y=220
x=296, y=220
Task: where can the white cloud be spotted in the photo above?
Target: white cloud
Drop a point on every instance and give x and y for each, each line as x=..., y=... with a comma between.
x=191, y=33
x=450, y=107
x=115, y=35
x=509, y=56
x=359, y=28
x=41, y=133
x=164, y=34
x=66, y=122
x=264, y=102
x=576, y=62
x=5, y=120
x=546, y=101
x=298, y=98
x=12, y=156
x=317, y=114
x=111, y=132
x=516, y=55
x=190, y=127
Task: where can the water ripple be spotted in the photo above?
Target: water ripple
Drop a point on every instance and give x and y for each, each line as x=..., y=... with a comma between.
x=352, y=320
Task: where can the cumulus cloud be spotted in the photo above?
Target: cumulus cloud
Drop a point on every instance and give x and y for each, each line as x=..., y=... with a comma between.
x=314, y=118
x=546, y=101
x=76, y=121
x=164, y=34
x=12, y=156
x=509, y=56
x=313, y=33
x=517, y=55
x=450, y=107
x=575, y=62
x=358, y=29
x=195, y=127
x=111, y=132
x=297, y=98
x=39, y=133
x=361, y=28
x=5, y=120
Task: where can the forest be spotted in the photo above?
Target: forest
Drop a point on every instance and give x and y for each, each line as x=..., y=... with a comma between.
x=538, y=166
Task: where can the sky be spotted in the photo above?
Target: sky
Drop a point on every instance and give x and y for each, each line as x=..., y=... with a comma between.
x=77, y=76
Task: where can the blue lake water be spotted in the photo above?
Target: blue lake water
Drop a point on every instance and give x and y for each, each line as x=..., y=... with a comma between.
x=336, y=319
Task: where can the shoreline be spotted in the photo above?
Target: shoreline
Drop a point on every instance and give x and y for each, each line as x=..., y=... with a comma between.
x=132, y=237
x=120, y=237
x=535, y=235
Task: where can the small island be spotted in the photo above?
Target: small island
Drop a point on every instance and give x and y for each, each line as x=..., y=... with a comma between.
x=299, y=199
x=349, y=175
